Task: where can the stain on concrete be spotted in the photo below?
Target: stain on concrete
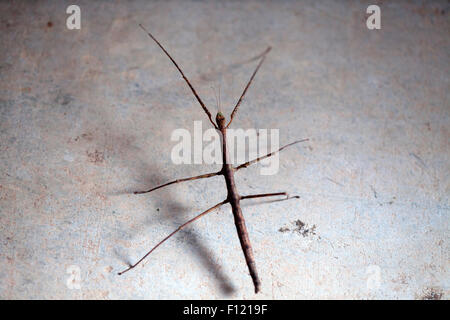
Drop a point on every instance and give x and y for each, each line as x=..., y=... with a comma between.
x=63, y=99
x=431, y=293
x=300, y=228
x=284, y=229
x=303, y=229
x=96, y=156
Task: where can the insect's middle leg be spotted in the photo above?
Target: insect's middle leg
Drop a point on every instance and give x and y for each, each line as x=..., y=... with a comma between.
x=262, y=195
x=202, y=176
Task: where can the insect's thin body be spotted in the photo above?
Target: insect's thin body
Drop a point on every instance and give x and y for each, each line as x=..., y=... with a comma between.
x=233, y=197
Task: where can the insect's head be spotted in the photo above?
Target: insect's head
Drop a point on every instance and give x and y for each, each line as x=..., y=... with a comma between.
x=220, y=120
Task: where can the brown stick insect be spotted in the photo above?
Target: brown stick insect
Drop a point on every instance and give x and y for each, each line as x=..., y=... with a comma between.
x=227, y=172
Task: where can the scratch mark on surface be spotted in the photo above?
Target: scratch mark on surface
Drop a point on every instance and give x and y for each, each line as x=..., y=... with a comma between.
x=374, y=192
x=419, y=159
x=339, y=184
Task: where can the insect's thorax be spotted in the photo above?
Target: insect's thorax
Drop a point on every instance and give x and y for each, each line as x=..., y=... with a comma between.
x=228, y=171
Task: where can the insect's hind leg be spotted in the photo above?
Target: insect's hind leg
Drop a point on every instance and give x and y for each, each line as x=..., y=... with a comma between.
x=170, y=235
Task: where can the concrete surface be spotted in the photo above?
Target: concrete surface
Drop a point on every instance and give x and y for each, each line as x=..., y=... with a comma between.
x=86, y=117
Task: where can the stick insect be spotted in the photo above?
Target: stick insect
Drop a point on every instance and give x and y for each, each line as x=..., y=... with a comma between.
x=227, y=171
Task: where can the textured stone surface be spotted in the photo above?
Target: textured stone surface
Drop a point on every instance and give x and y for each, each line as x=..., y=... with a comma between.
x=86, y=118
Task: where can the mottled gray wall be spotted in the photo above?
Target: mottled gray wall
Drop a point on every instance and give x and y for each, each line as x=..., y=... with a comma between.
x=86, y=118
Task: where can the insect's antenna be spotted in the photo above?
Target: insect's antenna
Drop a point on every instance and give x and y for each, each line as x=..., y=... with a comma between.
x=263, y=57
x=215, y=95
x=182, y=74
x=220, y=104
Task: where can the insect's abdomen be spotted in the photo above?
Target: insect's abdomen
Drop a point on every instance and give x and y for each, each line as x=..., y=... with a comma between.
x=246, y=246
